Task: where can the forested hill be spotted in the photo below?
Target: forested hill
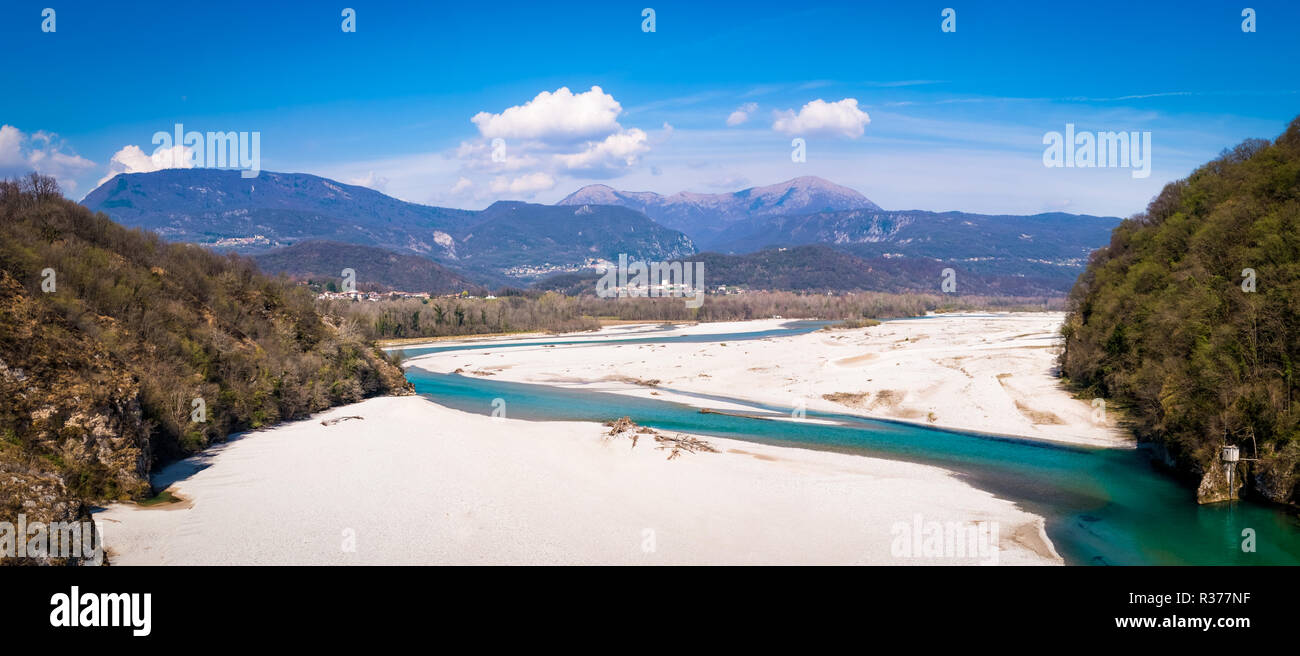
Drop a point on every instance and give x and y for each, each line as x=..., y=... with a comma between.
x=324, y=261
x=1191, y=318
x=108, y=336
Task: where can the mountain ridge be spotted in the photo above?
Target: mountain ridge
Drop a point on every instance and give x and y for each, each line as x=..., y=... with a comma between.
x=515, y=242
x=702, y=215
x=221, y=210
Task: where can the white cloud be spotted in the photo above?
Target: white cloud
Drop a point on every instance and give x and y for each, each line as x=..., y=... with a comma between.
x=741, y=114
x=606, y=157
x=820, y=118
x=556, y=134
x=462, y=185
x=377, y=182
x=562, y=115
x=42, y=152
x=665, y=134
x=11, y=143
x=131, y=159
x=525, y=185
x=478, y=155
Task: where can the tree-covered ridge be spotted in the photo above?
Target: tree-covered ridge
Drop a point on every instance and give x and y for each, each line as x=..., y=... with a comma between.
x=1165, y=322
x=375, y=268
x=108, y=335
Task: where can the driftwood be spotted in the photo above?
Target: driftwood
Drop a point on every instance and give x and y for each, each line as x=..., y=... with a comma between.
x=674, y=445
x=331, y=422
x=619, y=425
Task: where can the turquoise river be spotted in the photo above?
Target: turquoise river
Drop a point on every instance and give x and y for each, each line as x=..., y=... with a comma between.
x=1102, y=506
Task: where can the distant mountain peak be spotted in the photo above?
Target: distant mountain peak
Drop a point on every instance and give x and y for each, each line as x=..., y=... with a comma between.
x=593, y=194
x=803, y=182
x=808, y=183
x=703, y=215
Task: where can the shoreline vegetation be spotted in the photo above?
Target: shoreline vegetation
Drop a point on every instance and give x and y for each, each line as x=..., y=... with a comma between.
x=514, y=312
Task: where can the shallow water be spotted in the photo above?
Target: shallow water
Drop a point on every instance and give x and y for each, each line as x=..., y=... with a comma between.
x=1102, y=506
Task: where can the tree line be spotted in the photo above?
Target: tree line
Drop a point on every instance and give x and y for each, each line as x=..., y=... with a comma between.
x=550, y=311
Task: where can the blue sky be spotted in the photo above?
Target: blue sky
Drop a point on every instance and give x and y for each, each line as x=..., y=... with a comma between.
x=941, y=121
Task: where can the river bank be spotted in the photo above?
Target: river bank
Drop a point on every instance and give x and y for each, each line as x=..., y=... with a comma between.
x=412, y=482
x=828, y=488
x=987, y=373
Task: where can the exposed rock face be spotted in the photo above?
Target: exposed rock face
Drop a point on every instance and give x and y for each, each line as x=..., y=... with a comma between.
x=38, y=496
x=1214, y=485
x=67, y=407
x=1275, y=475
x=70, y=403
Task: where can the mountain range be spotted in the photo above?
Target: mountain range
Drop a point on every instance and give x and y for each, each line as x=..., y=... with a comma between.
x=507, y=241
x=704, y=217
x=1052, y=247
x=517, y=243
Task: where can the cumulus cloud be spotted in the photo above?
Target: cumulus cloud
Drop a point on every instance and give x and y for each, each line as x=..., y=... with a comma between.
x=562, y=115
x=43, y=152
x=741, y=114
x=820, y=118
x=606, y=157
x=131, y=159
x=561, y=133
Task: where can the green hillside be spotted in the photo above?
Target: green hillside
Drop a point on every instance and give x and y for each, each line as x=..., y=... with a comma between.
x=1163, y=321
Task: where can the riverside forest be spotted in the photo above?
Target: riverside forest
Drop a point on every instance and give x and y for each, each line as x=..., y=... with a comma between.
x=1190, y=321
